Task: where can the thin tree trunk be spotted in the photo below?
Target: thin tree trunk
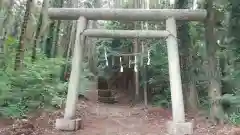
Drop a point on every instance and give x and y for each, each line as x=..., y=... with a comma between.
x=92, y=59
x=57, y=28
x=39, y=26
x=70, y=45
x=145, y=5
x=20, y=50
x=6, y=24
x=44, y=28
x=135, y=50
x=70, y=49
x=49, y=41
x=55, y=39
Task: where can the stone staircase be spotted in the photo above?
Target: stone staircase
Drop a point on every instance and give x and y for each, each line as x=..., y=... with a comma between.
x=106, y=96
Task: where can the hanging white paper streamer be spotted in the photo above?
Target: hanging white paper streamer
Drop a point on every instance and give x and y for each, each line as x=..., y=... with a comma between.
x=129, y=63
x=148, y=62
x=105, y=51
x=172, y=2
x=113, y=59
x=135, y=65
x=121, y=69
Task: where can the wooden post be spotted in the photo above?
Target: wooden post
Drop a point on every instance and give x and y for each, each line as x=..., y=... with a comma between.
x=69, y=122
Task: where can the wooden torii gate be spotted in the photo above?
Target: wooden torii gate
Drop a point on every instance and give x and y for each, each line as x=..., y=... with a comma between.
x=82, y=15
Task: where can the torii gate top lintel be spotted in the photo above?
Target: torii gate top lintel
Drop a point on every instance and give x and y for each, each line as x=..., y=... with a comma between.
x=126, y=14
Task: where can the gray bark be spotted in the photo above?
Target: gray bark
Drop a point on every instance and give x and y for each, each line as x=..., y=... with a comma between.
x=214, y=73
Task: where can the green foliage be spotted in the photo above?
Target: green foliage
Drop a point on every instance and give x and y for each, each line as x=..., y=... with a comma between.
x=162, y=99
x=158, y=74
x=228, y=53
x=86, y=79
x=234, y=118
x=35, y=86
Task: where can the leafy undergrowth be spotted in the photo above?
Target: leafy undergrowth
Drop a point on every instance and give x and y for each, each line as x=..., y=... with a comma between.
x=36, y=86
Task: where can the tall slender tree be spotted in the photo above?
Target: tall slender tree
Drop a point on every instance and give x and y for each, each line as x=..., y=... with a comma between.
x=39, y=26
x=20, y=49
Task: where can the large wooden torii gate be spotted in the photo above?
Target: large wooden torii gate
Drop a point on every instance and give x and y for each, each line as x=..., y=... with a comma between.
x=82, y=15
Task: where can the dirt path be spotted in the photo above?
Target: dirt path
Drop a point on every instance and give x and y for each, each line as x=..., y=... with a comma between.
x=114, y=120
x=105, y=119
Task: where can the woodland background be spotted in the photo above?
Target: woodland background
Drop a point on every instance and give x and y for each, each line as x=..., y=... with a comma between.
x=35, y=56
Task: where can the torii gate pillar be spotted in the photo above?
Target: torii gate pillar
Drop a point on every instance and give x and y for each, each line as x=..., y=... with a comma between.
x=69, y=122
x=178, y=126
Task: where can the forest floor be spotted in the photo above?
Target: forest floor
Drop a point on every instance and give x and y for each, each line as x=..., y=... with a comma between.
x=107, y=119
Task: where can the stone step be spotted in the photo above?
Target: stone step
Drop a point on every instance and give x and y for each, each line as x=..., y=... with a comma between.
x=109, y=100
x=104, y=93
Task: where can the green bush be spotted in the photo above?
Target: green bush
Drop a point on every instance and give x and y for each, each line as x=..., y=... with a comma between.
x=36, y=86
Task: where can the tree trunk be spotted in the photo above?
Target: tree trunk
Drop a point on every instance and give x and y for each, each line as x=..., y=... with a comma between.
x=45, y=26
x=57, y=24
x=65, y=43
x=6, y=25
x=136, y=50
x=189, y=88
x=55, y=39
x=39, y=26
x=145, y=5
x=20, y=50
x=49, y=41
x=70, y=44
x=214, y=92
x=90, y=48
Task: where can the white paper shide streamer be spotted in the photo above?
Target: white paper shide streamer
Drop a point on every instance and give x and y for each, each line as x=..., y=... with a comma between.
x=129, y=63
x=121, y=69
x=135, y=64
x=172, y=2
x=106, y=59
x=148, y=62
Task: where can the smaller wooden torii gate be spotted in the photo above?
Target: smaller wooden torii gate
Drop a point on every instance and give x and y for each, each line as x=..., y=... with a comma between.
x=82, y=15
